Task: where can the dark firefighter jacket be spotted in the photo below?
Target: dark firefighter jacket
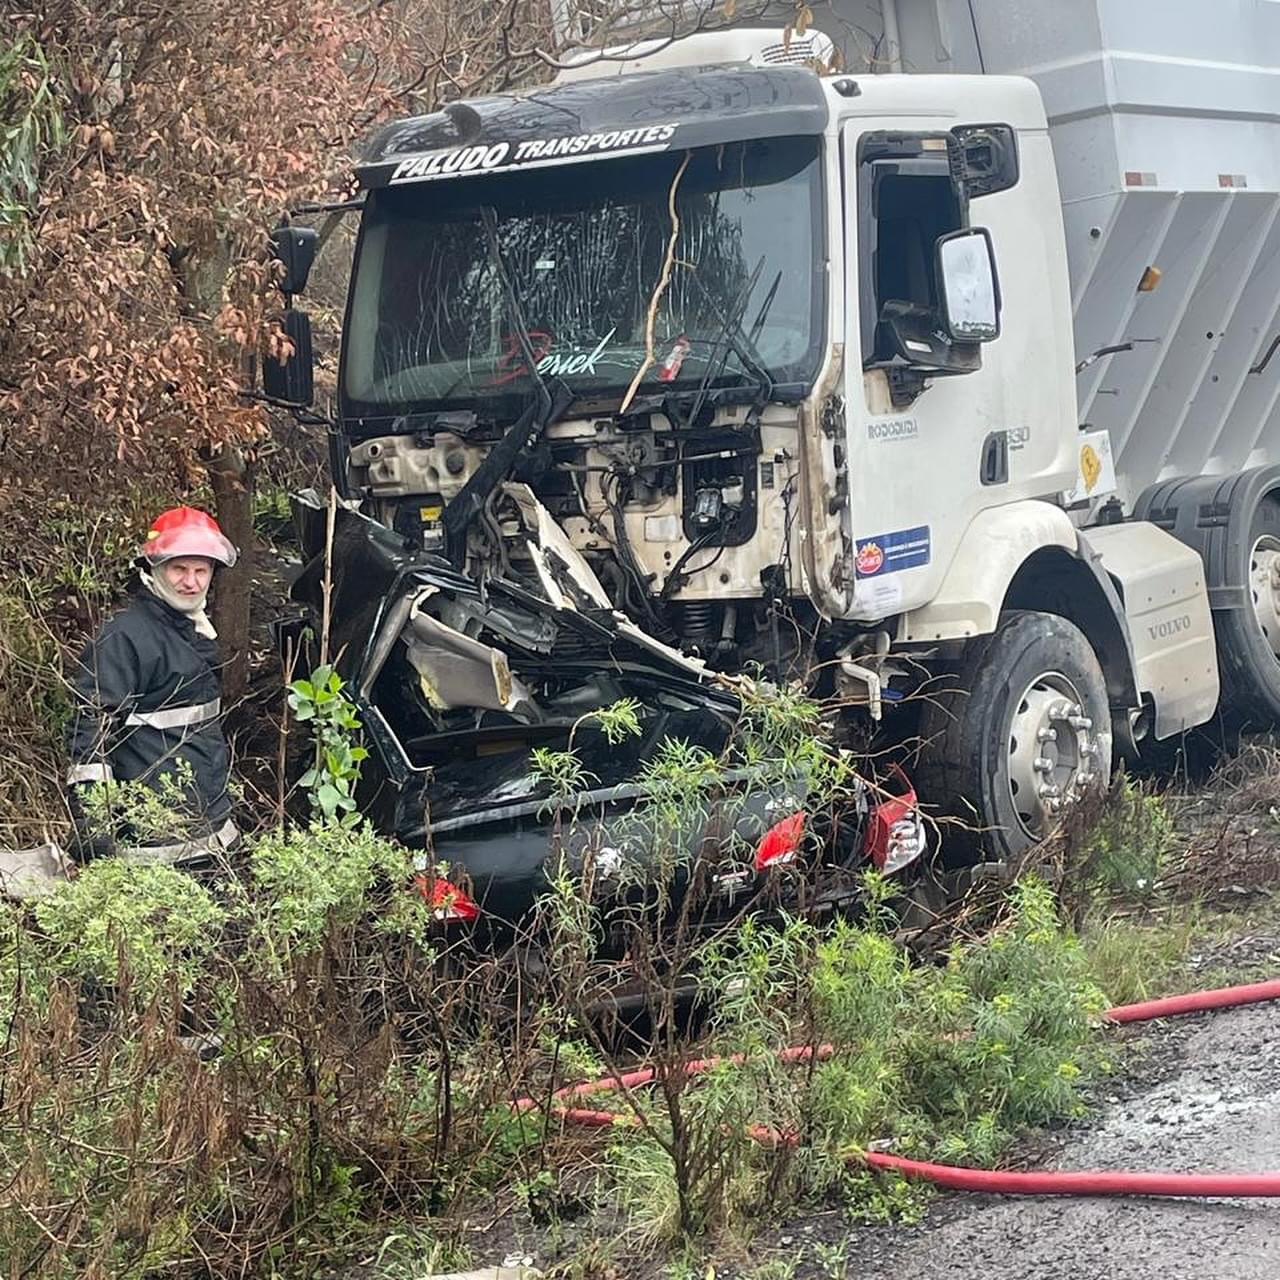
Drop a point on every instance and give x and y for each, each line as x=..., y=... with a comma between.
x=146, y=698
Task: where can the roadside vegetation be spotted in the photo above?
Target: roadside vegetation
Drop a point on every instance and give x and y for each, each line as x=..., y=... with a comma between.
x=305, y=1070
x=299, y=1067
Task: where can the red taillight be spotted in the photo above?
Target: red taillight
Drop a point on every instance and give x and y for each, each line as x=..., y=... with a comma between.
x=447, y=901
x=780, y=843
x=895, y=831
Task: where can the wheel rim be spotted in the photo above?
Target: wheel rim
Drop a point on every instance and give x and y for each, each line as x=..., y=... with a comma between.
x=1264, y=589
x=1052, y=750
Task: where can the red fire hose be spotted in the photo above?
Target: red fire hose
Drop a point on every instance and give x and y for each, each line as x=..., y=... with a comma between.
x=1197, y=1001
x=695, y=1067
x=1120, y=1182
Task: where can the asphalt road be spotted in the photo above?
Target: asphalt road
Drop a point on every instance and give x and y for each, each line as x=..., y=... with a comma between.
x=1214, y=1106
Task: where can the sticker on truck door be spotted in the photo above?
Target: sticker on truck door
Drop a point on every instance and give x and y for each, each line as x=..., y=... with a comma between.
x=893, y=429
x=1095, y=469
x=891, y=552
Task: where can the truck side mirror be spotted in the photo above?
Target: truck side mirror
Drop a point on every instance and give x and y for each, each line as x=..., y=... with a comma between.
x=989, y=158
x=292, y=381
x=295, y=249
x=968, y=286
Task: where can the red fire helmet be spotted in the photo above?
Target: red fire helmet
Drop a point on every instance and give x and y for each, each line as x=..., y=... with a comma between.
x=186, y=531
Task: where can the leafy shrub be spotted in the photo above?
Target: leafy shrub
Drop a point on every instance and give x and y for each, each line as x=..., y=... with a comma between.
x=145, y=811
x=118, y=922
x=322, y=704
x=125, y=1149
x=947, y=1063
x=1004, y=1040
x=1126, y=850
x=309, y=1115
x=34, y=132
x=307, y=880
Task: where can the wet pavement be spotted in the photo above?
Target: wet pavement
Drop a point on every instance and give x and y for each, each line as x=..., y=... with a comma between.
x=1216, y=1108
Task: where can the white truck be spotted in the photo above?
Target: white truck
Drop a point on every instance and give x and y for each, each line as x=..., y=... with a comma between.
x=889, y=382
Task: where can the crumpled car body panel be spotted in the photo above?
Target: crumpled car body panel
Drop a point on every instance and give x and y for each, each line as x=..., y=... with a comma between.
x=458, y=683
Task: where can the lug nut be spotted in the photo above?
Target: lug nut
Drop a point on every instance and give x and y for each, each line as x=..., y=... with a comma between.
x=1047, y=735
x=1080, y=722
x=1042, y=764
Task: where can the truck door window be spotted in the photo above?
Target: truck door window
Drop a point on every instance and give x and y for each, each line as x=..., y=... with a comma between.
x=905, y=203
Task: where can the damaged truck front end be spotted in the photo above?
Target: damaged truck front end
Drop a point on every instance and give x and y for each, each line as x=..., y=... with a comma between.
x=586, y=443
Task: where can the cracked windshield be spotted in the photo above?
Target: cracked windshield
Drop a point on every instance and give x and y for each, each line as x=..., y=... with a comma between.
x=432, y=327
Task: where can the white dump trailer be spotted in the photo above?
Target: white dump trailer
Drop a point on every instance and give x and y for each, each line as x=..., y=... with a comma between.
x=1164, y=118
x=956, y=394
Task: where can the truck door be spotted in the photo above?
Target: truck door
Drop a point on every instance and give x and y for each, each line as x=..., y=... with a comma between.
x=937, y=429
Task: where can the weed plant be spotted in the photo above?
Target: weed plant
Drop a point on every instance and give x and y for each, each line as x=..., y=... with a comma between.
x=948, y=1062
x=299, y=1063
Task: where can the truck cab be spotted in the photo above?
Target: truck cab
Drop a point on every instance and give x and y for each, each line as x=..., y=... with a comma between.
x=781, y=360
x=776, y=370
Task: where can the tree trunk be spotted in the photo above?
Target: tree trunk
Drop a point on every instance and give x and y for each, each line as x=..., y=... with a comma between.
x=231, y=478
x=200, y=270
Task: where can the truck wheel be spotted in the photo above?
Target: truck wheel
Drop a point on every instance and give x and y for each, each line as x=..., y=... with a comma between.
x=1249, y=639
x=1026, y=732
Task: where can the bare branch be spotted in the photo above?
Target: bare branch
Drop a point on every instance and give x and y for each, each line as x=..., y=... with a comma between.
x=664, y=280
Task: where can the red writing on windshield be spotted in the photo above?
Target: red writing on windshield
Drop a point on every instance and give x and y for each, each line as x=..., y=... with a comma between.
x=511, y=363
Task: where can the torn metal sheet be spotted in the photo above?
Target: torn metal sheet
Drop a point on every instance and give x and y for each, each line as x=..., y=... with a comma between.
x=565, y=575
x=456, y=671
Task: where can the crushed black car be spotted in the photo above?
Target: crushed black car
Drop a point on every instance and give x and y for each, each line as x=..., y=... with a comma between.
x=460, y=684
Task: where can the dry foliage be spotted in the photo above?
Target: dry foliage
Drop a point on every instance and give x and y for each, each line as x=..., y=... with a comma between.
x=186, y=130
x=164, y=140
x=148, y=146
x=1230, y=828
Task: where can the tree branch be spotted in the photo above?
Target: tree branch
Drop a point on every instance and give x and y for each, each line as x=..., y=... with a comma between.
x=664, y=280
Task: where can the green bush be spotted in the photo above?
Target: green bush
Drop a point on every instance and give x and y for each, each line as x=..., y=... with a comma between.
x=117, y=922
x=1126, y=851
x=124, y=1149
x=945, y=1063
x=142, y=812
x=239, y=1084
x=1003, y=1040
x=307, y=880
x=34, y=133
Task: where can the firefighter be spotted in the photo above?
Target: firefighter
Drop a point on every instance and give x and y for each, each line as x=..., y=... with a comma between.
x=147, y=707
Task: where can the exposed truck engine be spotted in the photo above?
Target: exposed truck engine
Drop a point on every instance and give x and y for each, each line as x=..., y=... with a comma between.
x=780, y=364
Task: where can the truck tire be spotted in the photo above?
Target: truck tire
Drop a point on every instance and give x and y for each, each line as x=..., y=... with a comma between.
x=1249, y=638
x=1023, y=731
